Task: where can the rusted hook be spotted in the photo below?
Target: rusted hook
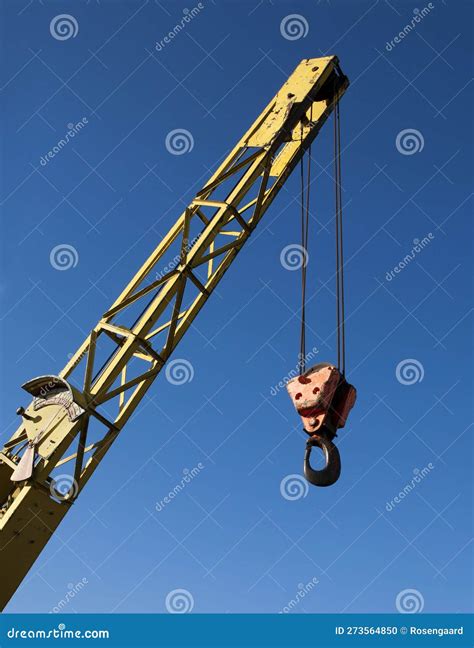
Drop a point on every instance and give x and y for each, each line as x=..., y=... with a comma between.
x=331, y=471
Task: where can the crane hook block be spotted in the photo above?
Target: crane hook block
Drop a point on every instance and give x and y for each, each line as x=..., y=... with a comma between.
x=323, y=398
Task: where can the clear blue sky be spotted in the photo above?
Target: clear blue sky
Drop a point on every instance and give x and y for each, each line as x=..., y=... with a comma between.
x=230, y=538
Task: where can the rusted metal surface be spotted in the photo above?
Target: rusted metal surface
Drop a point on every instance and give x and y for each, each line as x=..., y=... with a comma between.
x=323, y=399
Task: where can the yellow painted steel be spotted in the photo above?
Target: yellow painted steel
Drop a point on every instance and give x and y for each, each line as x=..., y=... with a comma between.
x=223, y=214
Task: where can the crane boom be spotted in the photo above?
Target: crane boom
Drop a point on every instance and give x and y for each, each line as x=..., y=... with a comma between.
x=83, y=409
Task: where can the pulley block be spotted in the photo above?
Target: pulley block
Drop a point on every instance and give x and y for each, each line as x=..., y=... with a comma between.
x=323, y=399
